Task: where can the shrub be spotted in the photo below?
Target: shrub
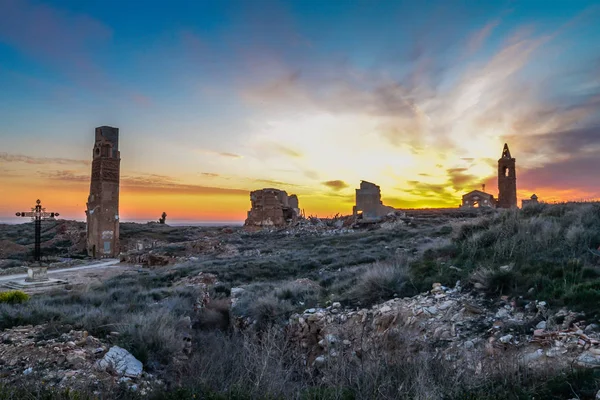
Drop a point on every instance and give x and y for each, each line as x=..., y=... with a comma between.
x=381, y=282
x=13, y=297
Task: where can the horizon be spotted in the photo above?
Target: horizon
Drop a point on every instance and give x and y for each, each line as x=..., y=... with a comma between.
x=216, y=99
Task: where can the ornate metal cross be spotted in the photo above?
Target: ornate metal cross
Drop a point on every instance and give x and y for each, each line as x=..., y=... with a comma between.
x=37, y=214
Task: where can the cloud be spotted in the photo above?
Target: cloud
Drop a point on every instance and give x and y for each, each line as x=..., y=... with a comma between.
x=479, y=37
x=19, y=158
x=210, y=174
x=65, y=176
x=220, y=153
x=230, y=155
x=146, y=184
x=64, y=38
x=336, y=185
x=273, y=182
x=286, y=150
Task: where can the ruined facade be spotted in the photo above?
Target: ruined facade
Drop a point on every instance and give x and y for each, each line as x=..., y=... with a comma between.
x=478, y=198
x=507, y=180
x=532, y=200
x=272, y=207
x=102, y=212
x=368, y=201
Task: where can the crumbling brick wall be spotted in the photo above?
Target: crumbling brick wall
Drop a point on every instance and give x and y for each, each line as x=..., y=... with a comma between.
x=272, y=207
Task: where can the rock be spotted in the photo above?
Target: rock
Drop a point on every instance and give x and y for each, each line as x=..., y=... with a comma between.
x=320, y=361
x=122, y=362
x=431, y=310
x=310, y=311
x=588, y=360
x=597, y=395
x=385, y=309
x=506, y=338
x=28, y=371
x=530, y=357
x=541, y=325
x=336, y=305
x=591, y=328
x=236, y=291
x=502, y=313
x=469, y=345
x=505, y=268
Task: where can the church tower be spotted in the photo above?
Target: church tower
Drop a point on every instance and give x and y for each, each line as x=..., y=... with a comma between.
x=507, y=180
x=103, y=202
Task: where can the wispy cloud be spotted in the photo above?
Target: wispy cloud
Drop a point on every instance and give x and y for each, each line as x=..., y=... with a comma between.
x=336, y=185
x=19, y=158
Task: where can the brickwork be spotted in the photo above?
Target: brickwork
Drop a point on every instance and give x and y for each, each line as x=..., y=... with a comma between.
x=272, y=207
x=102, y=212
x=507, y=180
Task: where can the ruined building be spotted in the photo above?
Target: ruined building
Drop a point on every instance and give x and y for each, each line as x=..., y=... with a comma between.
x=272, y=207
x=507, y=186
x=532, y=200
x=478, y=198
x=103, y=202
x=507, y=180
x=368, y=201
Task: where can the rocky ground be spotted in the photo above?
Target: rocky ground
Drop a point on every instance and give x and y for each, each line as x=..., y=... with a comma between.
x=304, y=281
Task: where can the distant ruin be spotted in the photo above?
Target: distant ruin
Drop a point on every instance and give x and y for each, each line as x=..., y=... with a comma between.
x=368, y=201
x=272, y=207
x=532, y=200
x=102, y=212
x=507, y=187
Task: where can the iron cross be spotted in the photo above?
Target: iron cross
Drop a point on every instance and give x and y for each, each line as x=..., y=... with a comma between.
x=38, y=213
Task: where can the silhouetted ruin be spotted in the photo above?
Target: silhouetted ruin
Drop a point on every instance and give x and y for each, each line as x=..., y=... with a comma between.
x=368, y=201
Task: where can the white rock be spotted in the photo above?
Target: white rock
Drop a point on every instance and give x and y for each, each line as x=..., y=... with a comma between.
x=502, y=313
x=385, y=309
x=236, y=291
x=536, y=355
x=541, y=325
x=320, y=360
x=505, y=268
x=336, y=304
x=506, y=339
x=122, y=362
x=28, y=371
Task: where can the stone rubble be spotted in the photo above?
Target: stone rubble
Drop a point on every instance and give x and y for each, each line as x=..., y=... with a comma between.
x=74, y=360
x=459, y=325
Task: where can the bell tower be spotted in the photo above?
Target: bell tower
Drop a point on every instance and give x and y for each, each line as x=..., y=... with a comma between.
x=507, y=180
x=103, y=202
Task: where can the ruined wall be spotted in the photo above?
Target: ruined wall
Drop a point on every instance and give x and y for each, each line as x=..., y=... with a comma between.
x=368, y=200
x=102, y=212
x=532, y=200
x=507, y=180
x=477, y=198
x=272, y=207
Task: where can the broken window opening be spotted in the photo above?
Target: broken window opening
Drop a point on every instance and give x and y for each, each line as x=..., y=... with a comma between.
x=505, y=171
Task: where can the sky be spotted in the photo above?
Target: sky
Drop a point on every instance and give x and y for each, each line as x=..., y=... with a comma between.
x=214, y=99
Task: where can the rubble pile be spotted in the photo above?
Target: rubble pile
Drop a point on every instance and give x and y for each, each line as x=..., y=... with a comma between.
x=460, y=326
x=74, y=360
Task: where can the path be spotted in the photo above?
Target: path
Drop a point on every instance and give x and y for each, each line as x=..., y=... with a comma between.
x=96, y=265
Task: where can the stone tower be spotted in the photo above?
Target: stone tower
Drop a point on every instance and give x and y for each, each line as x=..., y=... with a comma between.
x=103, y=202
x=507, y=180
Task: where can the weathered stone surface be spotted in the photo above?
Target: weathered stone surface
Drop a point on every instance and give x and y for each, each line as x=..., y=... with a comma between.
x=122, y=362
x=102, y=211
x=272, y=208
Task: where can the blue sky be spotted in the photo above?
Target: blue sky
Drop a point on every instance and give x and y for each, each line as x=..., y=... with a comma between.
x=215, y=98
